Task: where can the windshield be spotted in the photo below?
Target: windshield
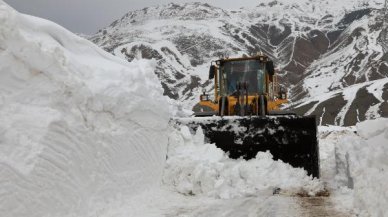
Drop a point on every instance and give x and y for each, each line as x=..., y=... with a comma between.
x=251, y=71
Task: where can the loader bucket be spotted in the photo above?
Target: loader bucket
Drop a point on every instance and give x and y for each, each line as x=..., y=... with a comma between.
x=290, y=138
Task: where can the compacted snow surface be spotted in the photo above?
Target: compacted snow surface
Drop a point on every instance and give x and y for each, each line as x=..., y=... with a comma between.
x=83, y=133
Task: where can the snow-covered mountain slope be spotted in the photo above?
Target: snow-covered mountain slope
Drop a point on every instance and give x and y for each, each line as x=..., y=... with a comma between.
x=78, y=132
x=352, y=76
x=307, y=40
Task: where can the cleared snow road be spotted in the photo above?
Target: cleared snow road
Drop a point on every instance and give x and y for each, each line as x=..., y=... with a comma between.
x=272, y=206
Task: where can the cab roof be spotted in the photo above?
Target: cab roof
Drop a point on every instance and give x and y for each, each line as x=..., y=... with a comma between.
x=260, y=57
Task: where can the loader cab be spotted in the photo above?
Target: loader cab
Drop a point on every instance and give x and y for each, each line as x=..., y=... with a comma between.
x=236, y=72
x=232, y=72
x=242, y=86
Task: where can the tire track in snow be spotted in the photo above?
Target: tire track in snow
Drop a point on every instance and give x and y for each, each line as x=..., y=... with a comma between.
x=272, y=206
x=319, y=207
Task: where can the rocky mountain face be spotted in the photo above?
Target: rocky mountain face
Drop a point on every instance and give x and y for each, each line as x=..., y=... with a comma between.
x=330, y=55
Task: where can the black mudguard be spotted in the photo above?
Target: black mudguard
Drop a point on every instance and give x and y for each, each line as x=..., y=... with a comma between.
x=290, y=138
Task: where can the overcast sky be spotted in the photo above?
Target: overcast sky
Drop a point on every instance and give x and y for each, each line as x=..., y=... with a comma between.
x=87, y=16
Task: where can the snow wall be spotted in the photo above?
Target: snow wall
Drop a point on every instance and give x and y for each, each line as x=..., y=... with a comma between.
x=80, y=129
x=358, y=162
x=366, y=157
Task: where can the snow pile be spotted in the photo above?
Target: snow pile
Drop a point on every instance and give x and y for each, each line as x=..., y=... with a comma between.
x=196, y=168
x=368, y=165
x=354, y=162
x=333, y=162
x=80, y=130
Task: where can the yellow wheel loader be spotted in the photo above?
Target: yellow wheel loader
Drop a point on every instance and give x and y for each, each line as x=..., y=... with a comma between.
x=244, y=117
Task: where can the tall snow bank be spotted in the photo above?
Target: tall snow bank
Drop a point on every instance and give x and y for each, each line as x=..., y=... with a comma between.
x=369, y=167
x=80, y=130
x=196, y=168
x=366, y=156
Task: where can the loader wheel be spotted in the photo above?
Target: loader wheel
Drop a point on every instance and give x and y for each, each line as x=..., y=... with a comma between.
x=262, y=105
x=223, y=106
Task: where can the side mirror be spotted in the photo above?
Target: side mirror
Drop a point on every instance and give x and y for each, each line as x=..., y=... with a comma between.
x=212, y=71
x=270, y=68
x=283, y=93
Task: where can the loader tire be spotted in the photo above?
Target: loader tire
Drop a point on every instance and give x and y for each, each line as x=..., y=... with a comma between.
x=223, y=106
x=263, y=105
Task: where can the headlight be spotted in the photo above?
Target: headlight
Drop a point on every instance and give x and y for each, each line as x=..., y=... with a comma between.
x=204, y=98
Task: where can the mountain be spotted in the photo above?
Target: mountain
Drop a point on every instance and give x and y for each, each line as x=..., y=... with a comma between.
x=330, y=54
